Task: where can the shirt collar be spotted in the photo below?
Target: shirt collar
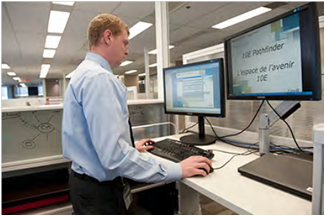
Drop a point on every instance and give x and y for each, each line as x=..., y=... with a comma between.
x=99, y=59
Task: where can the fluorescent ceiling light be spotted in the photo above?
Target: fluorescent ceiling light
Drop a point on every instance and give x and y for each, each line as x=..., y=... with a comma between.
x=44, y=70
x=153, y=65
x=23, y=85
x=52, y=41
x=241, y=18
x=138, y=28
x=70, y=74
x=11, y=73
x=16, y=78
x=48, y=53
x=64, y=3
x=143, y=74
x=57, y=22
x=126, y=63
x=130, y=71
x=5, y=66
x=154, y=52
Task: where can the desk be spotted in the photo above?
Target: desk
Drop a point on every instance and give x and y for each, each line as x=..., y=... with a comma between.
x=236, y=192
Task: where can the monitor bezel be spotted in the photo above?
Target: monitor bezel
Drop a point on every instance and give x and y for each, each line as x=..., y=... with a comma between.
x=221, y=83
x=314, y=48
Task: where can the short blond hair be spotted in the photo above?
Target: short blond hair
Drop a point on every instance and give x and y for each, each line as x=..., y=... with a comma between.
x=101, y=23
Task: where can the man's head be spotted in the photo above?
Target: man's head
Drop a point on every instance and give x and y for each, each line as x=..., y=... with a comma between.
x=108, y=37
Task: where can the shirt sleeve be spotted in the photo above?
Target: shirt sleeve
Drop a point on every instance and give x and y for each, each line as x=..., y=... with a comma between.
x=105, y=109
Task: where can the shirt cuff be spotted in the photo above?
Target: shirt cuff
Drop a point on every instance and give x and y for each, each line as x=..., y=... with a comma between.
x=174, y=172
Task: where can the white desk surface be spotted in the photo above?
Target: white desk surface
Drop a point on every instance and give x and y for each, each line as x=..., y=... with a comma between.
x=241, y=194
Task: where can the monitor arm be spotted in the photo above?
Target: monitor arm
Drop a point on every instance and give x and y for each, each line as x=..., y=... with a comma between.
x=285, y=109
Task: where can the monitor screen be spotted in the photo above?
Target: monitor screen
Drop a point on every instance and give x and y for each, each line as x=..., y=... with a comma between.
x=33, y=90
x=195, y=89
x=279, y=59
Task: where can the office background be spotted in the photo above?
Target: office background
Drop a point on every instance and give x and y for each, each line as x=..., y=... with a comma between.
x=24, y=31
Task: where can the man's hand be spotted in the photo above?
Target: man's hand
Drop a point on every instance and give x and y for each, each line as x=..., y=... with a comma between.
x=141, y=145
x=190, y=166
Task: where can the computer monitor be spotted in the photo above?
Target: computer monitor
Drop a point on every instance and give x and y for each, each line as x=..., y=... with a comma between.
x=33, y=91
x=276, y=60
x=195, y=89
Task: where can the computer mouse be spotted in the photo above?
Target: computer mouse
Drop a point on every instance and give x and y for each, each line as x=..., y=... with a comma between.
x=150, y=142
x=211, y=169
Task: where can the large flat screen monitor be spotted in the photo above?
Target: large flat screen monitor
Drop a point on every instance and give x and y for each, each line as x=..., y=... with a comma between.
x=276, y=60
x=195, y=89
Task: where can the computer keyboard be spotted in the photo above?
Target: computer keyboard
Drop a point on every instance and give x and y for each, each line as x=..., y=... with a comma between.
x=177, y=151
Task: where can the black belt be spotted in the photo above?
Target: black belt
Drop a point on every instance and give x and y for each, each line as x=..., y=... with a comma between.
x=116, y=181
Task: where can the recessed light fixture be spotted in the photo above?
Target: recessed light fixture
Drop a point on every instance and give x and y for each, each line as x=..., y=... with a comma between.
x=68, y=3
x=142, y=74
x=23, y=85
x=57, y=22
x=48, y=53
x=16, y=78
x=11, y=73
x=126, y=63
x=5, y=66
x=130, y=71
x=138, y=28
x=52, y=41
x=44, y=70
x=153, y=65
x=154, y=52
x=241, y=18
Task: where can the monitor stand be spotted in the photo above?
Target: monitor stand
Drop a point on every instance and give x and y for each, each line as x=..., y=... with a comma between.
x=201, y=138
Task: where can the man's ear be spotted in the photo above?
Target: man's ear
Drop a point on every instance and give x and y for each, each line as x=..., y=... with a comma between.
x=107, y=36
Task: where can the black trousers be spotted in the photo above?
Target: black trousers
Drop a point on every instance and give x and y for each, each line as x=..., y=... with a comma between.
x=89, y=196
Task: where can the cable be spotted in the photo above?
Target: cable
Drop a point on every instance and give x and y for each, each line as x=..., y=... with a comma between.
x=276, y=148
x=290, y=148
x=248, y=124
x=234, y=143
x=189, y=127
x=248, y=152
x=293, y=136
x=222, y=151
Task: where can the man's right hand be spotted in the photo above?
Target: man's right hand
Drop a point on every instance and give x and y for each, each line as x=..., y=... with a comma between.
x=190, y=166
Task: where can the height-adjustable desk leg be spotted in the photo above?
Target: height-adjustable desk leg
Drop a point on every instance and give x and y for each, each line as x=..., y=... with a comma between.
x=188, y=200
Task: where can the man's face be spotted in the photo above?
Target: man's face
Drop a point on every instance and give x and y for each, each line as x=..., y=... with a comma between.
x=119, y=48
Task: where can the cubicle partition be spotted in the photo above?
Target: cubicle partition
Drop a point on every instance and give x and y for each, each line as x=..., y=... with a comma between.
x=32, y=150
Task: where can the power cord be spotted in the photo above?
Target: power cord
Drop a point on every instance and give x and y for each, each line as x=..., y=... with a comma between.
x=186, y=129
x=258, y=110
x=248, y=152
x=273, y=148
x=293, y=136
x=228, y=141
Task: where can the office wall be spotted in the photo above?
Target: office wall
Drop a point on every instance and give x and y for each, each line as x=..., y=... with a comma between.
x=40, y=131
x=131, y=80
x=53, y=87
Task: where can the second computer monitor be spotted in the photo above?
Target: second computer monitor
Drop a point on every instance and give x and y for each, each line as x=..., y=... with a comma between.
x=276, y=60
x=195, y=89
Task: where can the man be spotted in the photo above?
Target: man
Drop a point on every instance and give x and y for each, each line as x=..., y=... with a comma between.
x=95, y=129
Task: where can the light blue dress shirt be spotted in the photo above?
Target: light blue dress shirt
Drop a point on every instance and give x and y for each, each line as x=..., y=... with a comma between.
x=95, y=130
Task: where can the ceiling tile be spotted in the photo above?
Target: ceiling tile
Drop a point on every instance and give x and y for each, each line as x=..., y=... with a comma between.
x=9, y=49
x=96, y=7
x=135, y=9
x=193, y=10
x=29, y=17
x=228, y=11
